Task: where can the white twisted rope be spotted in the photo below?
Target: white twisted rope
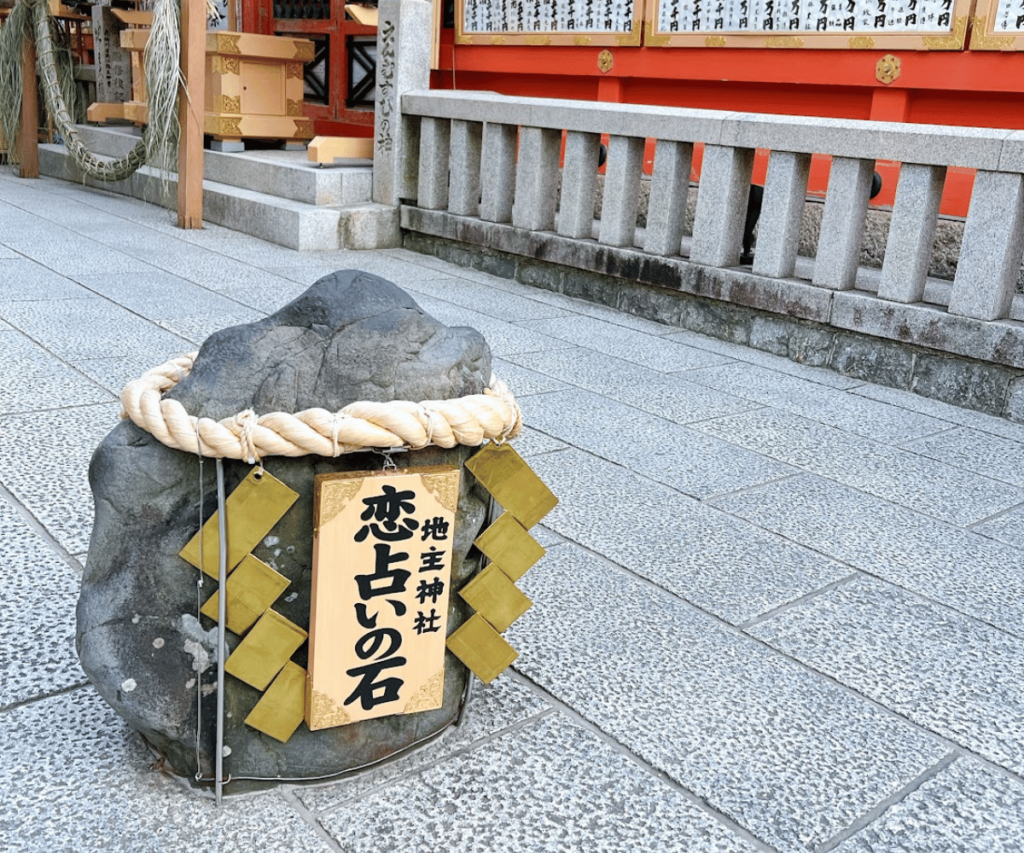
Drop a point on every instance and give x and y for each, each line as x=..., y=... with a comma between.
x=468, y=420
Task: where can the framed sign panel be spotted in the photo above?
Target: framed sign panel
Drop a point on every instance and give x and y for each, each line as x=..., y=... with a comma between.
x=998, y=25
x=572, y=22
x=850, y=24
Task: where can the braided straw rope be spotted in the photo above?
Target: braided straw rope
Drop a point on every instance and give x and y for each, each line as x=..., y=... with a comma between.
x=467, y=420
x=102, y=170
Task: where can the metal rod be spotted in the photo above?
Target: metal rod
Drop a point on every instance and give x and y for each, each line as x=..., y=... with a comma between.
x=222, y=574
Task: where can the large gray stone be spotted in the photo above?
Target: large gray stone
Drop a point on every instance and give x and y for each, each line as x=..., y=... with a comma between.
x=351, y=336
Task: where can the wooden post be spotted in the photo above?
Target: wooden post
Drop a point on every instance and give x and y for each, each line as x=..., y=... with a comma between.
x=190, y=114
x=28, y=145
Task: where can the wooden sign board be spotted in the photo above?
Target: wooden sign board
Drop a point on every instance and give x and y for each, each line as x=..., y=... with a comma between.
x=543, y=22
x=998, y=25
x=382, y=551
x=849, y=24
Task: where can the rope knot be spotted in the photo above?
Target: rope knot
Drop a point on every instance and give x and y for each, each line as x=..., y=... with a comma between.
x=246, y=421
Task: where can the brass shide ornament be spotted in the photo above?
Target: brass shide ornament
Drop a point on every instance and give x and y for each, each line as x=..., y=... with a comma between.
x=512, y=551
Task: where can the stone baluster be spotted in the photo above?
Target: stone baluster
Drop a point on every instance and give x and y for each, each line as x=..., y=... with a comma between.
x=778, y=234
x=908, y=252
x=990, y=255
x=721, y=205
x=537, y=178
x=498, y=171
x=842, y=223
x=579, y=182
x=621, y=190
x=435, y=151
x=670, y=185
x=464, y=182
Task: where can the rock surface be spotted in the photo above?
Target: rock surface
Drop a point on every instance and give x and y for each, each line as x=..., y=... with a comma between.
x=351, y=336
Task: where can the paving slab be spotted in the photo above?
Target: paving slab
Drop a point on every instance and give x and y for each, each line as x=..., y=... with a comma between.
x=657, y=353
x=992, y=455
x=944, y=411
x=486, y=300
x=954, y=675
x=943, y=491
x=721, y=564
x=37, y=621
x=163, y=296
x=500, y=706
x=694, y=463
x=44, y=462
x=767, y=360
x=783, y=752
x=505, y=339
x=833, y=407
x=88, y=328
x=668, y=396
x=1008, y=527
x=523, y=382
x=26, y=280
x=522, y=792
x=959, y=568
x=96, y=790
x=36, y=379
x=966, y=808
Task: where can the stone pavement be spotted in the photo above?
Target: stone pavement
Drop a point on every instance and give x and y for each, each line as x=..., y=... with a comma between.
x=781, y=610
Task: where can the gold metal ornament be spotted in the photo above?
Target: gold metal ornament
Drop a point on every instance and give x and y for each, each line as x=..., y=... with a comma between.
x=887, y=69
x=512, y=482
x=482, y=649
x=496, y=598
x=252, y=510
x=280, y=710
x=605, y=61
x=251, y=589
x=265, y=650
x=508, y=544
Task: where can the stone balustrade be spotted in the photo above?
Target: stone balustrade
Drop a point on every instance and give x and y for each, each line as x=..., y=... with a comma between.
x=518, y=178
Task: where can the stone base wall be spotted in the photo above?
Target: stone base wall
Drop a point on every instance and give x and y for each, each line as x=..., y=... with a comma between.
x=776, y=321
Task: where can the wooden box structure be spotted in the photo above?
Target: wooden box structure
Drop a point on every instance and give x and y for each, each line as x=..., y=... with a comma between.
x=253, y=86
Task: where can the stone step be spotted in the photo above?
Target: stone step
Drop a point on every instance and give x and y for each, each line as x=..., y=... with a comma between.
x=276, y=172
x=300, y=226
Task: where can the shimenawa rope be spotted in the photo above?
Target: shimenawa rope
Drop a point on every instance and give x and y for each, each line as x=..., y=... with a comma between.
x=470, y=420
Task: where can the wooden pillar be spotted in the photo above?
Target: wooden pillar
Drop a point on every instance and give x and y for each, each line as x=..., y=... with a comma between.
x=28, y=144
x=190, y=114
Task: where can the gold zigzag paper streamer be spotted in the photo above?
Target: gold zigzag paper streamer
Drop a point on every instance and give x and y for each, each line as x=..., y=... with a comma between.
x=263, y=658
x=492, y=593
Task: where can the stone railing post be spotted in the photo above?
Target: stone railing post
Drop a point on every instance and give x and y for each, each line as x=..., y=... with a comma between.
x=842, y=222
x=621, y=190
x=536, y=179
x=915, y=214
x=785, y=190
x=721, y=205
x=670, y=185
x=498, y=171
x=579, y=183
x=990, y=255
x=403, y=65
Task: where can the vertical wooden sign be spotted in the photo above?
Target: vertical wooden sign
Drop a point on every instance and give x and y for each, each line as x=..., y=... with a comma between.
x=382, y=551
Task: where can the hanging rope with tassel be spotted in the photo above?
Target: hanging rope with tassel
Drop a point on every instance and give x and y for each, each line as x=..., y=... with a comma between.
x=161, y=60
